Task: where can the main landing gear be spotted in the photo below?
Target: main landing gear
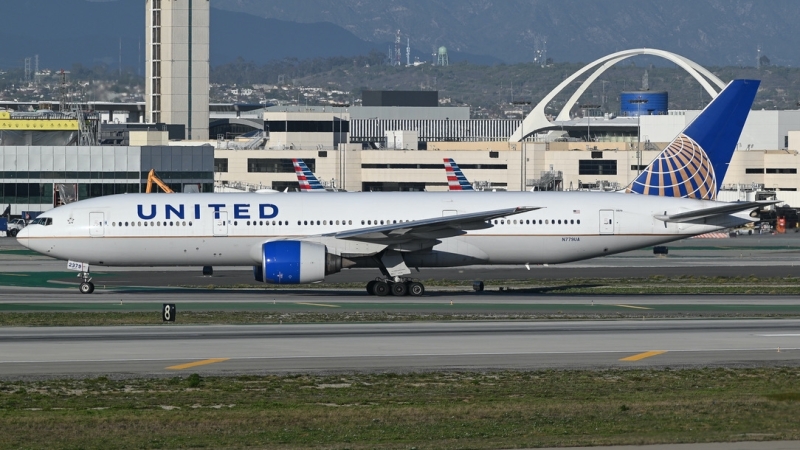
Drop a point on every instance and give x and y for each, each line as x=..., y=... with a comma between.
x=86, y=287
x=398, y=287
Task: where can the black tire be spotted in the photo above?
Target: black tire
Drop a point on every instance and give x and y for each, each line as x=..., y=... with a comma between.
x=13, y=233
x=416, y=289
x=371, y=287
x=380, y=289
x=399, y=289
x=86, y=287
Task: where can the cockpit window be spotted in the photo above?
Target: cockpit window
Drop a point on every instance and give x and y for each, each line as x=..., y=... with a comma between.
x=43, y=221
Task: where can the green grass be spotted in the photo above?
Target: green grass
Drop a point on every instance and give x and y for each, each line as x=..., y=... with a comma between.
x=430, y=410
x=29, y=317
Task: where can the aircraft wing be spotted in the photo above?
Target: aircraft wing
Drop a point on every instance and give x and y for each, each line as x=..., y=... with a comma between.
x=698, y=214
x=429, y=229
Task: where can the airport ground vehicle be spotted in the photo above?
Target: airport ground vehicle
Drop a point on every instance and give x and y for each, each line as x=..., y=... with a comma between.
x=14, y=226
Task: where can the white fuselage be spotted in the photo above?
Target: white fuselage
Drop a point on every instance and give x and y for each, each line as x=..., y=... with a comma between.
x=184, y=229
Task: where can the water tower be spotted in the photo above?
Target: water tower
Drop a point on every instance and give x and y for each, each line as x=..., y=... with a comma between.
x=441, y=59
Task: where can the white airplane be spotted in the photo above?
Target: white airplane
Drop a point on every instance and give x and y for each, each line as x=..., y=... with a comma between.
x=456, y=181
x=299, y=238
x=308, y=181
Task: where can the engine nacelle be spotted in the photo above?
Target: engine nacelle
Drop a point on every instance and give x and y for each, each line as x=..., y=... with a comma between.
x=295, y=262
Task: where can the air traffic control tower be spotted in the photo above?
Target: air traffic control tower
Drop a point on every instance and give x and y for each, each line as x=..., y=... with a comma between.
x=176, y=85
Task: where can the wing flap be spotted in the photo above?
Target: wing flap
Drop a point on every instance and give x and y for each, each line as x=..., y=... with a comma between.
x=429, y=229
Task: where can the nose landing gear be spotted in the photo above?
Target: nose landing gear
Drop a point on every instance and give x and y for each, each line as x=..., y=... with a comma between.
x=86, y=287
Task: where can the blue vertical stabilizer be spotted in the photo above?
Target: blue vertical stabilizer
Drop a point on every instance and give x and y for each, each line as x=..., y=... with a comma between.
x=694, y=164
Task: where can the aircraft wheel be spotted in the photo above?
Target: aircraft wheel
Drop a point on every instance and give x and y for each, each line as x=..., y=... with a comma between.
x=86, y=287
x=371, y=287
x=399, y=289
x=416, y=289
x=381, y=288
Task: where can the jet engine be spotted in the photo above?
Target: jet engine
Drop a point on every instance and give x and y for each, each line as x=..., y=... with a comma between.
x=294, y=262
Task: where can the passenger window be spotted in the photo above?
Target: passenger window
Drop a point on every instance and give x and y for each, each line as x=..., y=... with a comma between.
x=350, y=222
x=559, y=221
x=579, y=221
x=572, y=222
x=305, y=222
x=547, y=221
x=190, y=223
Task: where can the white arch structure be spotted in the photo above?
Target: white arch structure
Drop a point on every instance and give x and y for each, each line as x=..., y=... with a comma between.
x=537, y=121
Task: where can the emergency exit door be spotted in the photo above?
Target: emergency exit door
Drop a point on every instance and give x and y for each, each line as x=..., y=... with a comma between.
x=606, y=221
x=221, y=223
x=96, y=224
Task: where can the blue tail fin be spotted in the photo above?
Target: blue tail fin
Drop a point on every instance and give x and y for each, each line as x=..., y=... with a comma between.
x=308, y=181
x=694, y=164
x=456, y=181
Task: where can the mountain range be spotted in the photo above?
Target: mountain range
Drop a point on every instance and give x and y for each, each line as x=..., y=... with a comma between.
x=711, y=32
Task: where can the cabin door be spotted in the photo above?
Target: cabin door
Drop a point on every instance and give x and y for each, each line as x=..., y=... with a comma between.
x=96, y=224
x=606, y=221
x=221, y=223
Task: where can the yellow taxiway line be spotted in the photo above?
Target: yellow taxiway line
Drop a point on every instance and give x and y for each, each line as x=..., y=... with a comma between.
x=197, y=363
x=644, y=355
x=318, y=304
x=631, y=306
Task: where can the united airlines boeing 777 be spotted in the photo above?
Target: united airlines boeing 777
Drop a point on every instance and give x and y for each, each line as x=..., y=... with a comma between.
x=300, y=238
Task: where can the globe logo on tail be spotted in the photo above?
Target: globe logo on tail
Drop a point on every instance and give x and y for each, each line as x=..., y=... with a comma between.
x=683, y=169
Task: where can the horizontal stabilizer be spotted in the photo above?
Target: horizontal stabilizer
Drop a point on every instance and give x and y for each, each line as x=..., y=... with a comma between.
x=714, y=211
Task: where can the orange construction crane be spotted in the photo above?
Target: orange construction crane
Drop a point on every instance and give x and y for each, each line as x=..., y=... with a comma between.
x=153, y=178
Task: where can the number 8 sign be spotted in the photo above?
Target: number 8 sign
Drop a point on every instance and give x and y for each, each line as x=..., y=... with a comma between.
x=168, y=313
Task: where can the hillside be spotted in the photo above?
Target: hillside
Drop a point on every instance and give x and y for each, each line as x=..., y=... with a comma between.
x=712, y=32
x=488, y=90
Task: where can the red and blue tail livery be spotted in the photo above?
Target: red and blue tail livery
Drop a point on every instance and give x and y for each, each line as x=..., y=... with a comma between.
x=694, y=164
x=308, y=181
x=456, y=181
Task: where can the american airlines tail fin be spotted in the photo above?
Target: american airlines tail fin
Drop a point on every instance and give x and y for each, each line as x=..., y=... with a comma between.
x=308, y=181
x=694, y=164
x=456, y=181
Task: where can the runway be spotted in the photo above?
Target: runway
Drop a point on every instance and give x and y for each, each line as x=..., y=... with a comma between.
x=757, y=255
x=274, y=349
x=40, y=284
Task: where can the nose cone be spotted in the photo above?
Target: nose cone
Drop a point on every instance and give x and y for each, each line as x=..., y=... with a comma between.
x=22, y=237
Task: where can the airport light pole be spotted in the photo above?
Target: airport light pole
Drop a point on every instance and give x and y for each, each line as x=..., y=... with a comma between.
x=638, y=102
x=341, y=106
x=523, y=154
x=342, y=169
x=586, y=108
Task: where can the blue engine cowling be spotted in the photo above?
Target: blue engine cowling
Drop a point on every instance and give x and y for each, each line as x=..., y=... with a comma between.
x=294, y=262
